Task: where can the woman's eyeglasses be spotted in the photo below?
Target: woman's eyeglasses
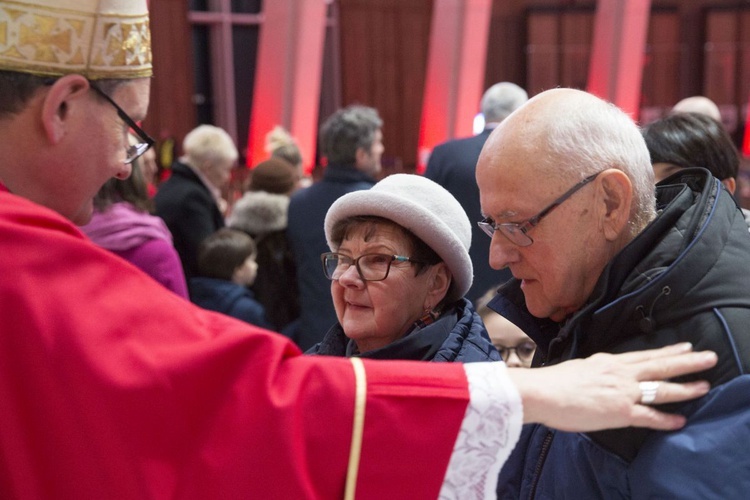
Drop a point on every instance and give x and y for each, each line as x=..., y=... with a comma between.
x=370, y=266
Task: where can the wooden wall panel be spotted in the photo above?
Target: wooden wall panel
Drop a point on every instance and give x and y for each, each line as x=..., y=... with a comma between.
x=558, y=49
x=721, y=65
x=661, y=64
x=577, y=29
x=721, y=56
x=743, y=71
x=542, y=52
x=171, y=112
x=383, y=63
x=506, y=46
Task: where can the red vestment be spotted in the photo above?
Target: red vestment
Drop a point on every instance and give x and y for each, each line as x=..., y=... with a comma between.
x=113, y=387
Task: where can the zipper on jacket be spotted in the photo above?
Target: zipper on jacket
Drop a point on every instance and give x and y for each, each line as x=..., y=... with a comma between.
x=540, y=463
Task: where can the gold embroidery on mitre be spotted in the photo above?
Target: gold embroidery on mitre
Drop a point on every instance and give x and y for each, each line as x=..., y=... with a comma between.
x=13, y=14
x=125, y=45
x=78, y=59
x=46, y=41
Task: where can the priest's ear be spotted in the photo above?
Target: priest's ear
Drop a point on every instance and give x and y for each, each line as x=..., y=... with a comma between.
x=57, y=108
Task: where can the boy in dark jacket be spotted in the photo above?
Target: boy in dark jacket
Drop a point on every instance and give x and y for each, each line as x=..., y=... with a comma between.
x=226, y=267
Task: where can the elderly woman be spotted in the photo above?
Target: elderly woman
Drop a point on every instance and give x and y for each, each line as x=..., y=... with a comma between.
x=399, y=269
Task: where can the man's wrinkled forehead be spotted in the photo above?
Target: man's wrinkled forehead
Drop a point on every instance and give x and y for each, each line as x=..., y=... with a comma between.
x=514, y=175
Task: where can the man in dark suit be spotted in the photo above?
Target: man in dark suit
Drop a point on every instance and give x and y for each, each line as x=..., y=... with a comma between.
x=452, y=165
x=190, y=200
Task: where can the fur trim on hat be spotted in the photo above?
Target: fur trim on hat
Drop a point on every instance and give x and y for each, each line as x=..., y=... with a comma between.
x=423, y=207
x=258, y=212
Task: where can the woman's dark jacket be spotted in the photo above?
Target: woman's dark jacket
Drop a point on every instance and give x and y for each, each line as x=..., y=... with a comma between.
x=686, y=277
x=458, y=335
x=190, y=212
x=264, y=217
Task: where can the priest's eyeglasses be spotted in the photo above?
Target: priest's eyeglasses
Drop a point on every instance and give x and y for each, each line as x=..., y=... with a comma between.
x=132, y=152
x=370, y=266
x=517, y=232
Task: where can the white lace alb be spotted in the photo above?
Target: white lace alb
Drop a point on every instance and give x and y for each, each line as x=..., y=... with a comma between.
x=489, y=431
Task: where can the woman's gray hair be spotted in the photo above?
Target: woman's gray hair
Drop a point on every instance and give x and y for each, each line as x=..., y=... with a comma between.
x=597, y=135
x=347, y=130
x=207, y=143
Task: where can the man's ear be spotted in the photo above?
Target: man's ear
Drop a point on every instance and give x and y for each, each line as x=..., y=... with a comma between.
x=56, y=106
x=360, y=157
x=616, y=193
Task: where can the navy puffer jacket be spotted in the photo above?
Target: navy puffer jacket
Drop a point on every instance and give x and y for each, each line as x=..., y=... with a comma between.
x=458, y=335
x=686, y=277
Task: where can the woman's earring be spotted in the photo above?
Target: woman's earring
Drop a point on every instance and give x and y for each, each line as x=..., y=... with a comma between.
x=429, y=317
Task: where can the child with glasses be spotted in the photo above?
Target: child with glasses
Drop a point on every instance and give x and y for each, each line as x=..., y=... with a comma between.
x=516, y=348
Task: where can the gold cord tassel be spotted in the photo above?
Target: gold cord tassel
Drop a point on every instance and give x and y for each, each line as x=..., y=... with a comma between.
x=358, y=427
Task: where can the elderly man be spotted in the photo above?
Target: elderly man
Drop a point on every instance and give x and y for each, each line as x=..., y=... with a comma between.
x=111, y=385
x=599, y=265
x=453, y=166
x=352, y=142
x=190, y=201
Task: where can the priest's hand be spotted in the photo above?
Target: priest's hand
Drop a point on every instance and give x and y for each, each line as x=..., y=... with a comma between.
x=608, y=391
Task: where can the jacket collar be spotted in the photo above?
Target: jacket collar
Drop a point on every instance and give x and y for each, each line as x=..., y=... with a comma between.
x=420, y=344
x=346, y=174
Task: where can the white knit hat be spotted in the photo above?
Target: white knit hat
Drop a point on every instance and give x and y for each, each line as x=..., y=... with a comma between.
x=424, y=208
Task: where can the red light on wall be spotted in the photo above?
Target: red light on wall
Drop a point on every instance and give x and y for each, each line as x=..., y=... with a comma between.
x=746, y=137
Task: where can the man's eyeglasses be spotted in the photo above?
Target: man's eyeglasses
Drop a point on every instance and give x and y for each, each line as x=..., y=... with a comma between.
x=370, y=266
x=132, y=152
x=524, y=351
x=517, y=232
